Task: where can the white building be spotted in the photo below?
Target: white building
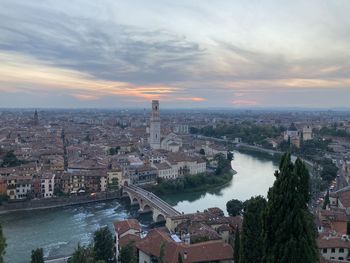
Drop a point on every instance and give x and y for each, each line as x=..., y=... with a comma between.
x=186, y=165
x=165, y=171
x=181, y=128
x=18, y=187
x=335, y=248
x=307, y=133
x=171, y=142
x=47, y=185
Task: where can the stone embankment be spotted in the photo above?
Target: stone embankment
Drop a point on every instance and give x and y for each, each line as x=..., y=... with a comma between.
x=53, y=202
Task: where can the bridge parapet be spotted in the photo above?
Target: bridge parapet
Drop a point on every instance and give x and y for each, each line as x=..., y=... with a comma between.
x=150, y=202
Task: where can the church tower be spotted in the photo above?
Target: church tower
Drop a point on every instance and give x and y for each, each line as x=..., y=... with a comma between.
x=155, y=126
x=36, y=118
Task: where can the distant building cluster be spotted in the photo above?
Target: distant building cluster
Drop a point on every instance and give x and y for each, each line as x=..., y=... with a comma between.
x=295, y=135
x=64, y=153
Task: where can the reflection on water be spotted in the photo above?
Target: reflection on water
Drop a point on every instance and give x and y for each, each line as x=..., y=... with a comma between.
x=254, y=177
x=58, y=231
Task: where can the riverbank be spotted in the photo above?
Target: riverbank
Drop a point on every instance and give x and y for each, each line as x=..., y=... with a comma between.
x=259, y=153
x=194, y=183
x=56, y=202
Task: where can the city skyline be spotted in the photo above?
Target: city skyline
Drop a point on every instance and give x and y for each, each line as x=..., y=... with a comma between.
x=188, y=54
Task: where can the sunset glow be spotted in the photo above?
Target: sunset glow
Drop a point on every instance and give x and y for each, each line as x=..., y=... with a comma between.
x=224, y=57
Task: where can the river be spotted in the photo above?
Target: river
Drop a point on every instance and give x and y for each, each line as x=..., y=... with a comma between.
x=58, y=231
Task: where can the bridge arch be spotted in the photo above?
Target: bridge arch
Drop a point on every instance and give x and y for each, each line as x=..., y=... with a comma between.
x=146, y=208
x=133, y=199
x=160, y=218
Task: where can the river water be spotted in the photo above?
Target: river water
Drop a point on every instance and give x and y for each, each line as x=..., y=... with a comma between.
x=58, y=231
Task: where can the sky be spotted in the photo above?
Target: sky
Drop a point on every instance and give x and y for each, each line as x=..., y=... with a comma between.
x=186, y=53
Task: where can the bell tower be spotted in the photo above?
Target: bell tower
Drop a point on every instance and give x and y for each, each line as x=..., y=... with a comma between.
x=36, y=118
x=155, y=126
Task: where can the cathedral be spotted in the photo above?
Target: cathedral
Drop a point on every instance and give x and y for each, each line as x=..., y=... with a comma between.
x=170, y=142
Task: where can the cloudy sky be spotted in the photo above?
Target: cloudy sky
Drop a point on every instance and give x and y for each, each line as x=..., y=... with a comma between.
x=117, y=53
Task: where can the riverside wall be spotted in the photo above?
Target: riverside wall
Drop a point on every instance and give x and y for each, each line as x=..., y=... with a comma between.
x=53, y=202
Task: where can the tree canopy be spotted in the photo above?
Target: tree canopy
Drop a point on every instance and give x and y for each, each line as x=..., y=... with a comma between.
x=82, y=254
x=329, y=170
x=250, y=133
x=10, y=160
x=289, y=231
x=103, y=245
x=234, y=207
x=37, y=256
x=127, y=254
x=252, y=243
x=2, y=245
x=237, y=246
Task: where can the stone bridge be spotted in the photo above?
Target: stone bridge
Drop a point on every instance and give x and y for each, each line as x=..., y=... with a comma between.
x=149, y=202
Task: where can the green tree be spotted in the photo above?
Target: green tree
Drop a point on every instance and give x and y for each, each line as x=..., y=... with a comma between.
x=329, y=170
x=229, y=155
x=112, y=151
x=252, y=246
x=289, y=230
x=127, y=254
x=103, y=245
x=162, y=253
x=82, y=254
x=222, y=163
x=237, y=245
x=10, y=160
x=114, y=185
x=37, y=256
x=2, y=245
x=326, y=200
x=234, y=207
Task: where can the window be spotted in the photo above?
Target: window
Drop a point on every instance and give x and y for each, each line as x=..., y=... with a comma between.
x=333, y=250
x=325, y=250
x=341, y=258
x=341, y=250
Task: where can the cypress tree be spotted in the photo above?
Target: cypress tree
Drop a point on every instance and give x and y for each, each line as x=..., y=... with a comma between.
x=37, y=256
x=2, y=245
x=252, y=245
x=326, y=200
x=348, y=228
x=103, y=245
x=237, y=245
x=289, y=231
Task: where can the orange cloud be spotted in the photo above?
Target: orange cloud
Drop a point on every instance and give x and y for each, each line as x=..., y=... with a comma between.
x=85, y=97
x=16, y=70
x=288, y=83
x=244, y=102
x=194, y=99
